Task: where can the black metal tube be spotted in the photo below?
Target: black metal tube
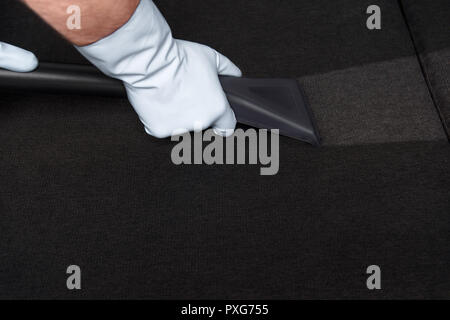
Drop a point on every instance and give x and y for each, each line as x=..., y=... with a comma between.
x=62, y=78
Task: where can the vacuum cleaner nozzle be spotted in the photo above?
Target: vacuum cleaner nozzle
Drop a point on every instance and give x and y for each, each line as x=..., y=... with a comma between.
x=272, y=104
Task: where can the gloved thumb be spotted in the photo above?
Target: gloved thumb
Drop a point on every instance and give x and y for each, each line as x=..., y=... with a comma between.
x=225, y=125
x=16, y=59
x=225, y=67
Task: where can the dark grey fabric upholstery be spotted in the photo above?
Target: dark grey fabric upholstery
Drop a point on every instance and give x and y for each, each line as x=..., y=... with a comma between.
x=83, y=184
x=429, y=25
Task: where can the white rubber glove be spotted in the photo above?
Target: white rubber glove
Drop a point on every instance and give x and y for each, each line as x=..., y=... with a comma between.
x=17, y=59
x=172, y=84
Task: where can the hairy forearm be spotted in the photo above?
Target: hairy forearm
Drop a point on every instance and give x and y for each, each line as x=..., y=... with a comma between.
x=99, y=18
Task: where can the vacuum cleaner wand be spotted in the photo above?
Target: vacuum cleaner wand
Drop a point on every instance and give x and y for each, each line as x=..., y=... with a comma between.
x=261, y=103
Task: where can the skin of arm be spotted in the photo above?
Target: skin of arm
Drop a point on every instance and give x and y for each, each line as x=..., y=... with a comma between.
x=99, y=18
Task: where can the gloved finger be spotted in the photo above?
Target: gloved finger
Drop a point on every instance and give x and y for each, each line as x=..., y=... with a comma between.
x=226, y=124
x=16, y=59
x=225, y=67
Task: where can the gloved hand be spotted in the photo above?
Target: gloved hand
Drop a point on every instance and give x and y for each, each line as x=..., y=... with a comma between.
x=16, y=59
x=172, y=84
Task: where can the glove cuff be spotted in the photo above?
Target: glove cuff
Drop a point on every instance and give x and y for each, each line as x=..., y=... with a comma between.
x=137, y=50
